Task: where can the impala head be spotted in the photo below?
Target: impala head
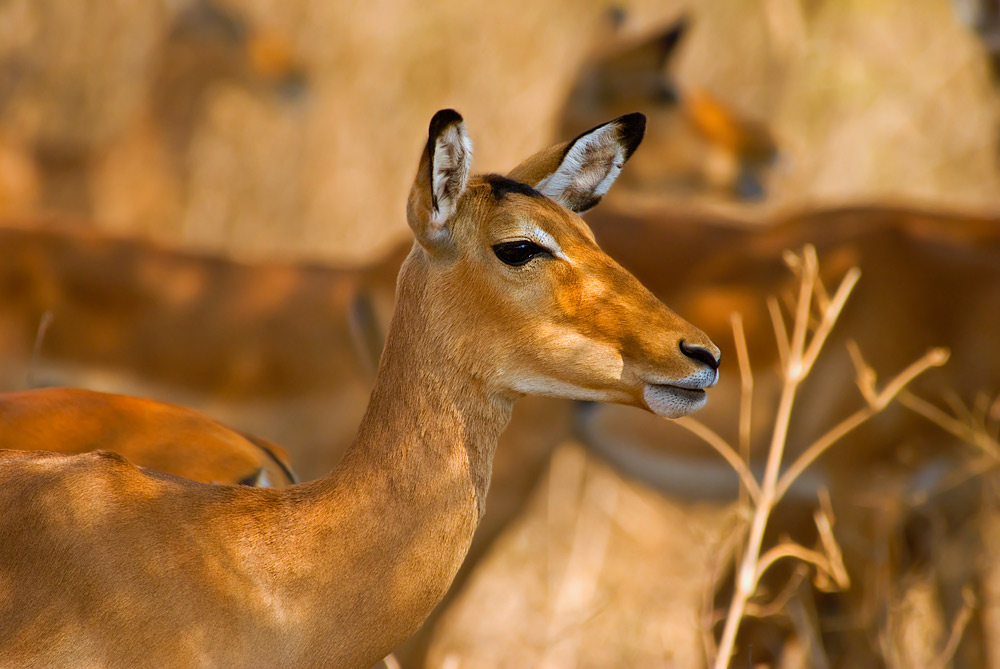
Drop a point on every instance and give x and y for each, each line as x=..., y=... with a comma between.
x=518, y=291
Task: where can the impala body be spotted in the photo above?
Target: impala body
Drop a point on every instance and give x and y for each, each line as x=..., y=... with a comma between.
x=170, y=439
x=505, y=293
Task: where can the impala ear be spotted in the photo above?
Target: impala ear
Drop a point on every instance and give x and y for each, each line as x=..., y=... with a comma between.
x=577, y=174
x=441, y=179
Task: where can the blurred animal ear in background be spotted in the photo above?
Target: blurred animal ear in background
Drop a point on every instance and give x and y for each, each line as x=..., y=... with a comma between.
x=104, y=142
x=632, y=74
x=696, y=144
x=208, y=45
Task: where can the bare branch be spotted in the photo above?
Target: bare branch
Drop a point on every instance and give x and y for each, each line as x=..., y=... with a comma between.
x=823, y=517
x=748, y=571
x=819, y=447
x=722, y=556
x=746, y=386
x=777, y=605
x=830, y=316
x=797, y=358
x=780, y=332
x=792, y=550
x=821, y=297
x=967, y=433
x=723, y=448
x=933, y=358
x=958, y=626
x=865, y=376
x=956, y=405
x=792, y=261
x=807, y=629
x=795, y=369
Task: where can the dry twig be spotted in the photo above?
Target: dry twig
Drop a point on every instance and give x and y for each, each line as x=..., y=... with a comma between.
x=958, y=626
x=798, y=352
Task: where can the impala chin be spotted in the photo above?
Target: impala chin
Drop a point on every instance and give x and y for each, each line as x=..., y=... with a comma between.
x=675, y=399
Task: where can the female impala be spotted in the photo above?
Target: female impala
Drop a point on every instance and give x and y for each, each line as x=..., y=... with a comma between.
x=504, y=293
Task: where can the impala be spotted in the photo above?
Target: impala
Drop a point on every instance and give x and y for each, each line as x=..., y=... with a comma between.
x=505, y=293
x=272, y=348
x=171, y=439
x=704, y=266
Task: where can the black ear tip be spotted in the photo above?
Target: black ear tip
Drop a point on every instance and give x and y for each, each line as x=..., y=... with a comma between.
x=635, y=119
x=442, y=120
x=633, y=128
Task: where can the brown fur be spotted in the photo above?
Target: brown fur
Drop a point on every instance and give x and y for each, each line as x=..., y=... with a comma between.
x=171, y=439
x=127, y=567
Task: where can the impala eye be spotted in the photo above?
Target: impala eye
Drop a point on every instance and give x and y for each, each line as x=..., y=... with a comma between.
x=519, y=253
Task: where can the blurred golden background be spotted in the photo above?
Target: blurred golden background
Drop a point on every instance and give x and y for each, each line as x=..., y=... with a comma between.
x=289, y=127
x=207, y=197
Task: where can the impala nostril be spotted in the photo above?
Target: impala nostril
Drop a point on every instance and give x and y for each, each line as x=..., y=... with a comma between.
x=700, y=354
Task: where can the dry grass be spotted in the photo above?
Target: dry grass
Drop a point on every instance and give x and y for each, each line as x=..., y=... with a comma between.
x=799, y=349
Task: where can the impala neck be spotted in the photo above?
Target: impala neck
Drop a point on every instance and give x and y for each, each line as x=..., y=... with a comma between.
x=402, y=507
x=430, y=423
x=413, y=484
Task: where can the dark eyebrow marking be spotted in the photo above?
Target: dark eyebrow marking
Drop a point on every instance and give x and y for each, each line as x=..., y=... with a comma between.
x=501, y=186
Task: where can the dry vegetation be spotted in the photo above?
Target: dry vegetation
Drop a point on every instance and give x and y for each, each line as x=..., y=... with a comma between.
x=265, y=128
x=799, y=349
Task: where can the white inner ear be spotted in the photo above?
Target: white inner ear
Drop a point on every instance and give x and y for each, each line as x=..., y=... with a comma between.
x=590, y=167
x=450, y=172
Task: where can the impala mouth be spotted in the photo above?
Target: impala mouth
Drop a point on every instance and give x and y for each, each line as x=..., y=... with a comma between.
x=674, y=401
